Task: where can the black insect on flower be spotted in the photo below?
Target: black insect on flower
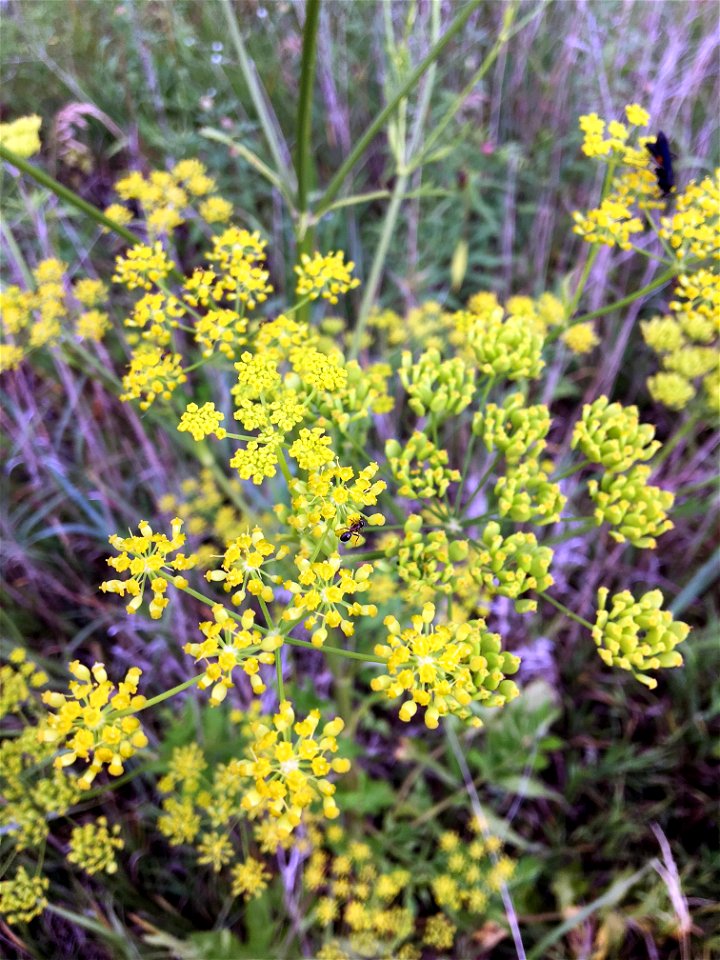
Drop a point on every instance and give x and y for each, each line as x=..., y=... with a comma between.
x=660, y=152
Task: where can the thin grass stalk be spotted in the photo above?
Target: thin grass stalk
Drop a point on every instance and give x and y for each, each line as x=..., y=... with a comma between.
x=335, y=185
x=260, y=100
x=66, y=194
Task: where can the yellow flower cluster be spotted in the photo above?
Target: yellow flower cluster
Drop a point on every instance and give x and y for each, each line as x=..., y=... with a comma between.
x=636, y=510
x=613, y=436
x=22, y=136
x=289, y=772
x=201, y=422
x=330, y=497
x=143, y=266
x=325, y=275
x=444, y=668
x=168, y=197
x=250, y=879
x=19, y=677
x=420, y=468
x=693, y=230
x=93, y=846
x=687, y=342
x=33, y=318
x=440, y=388
x=511, y=566
x=612, y=224
x=465, y=876
x=89, y=722
x=632, y=181
x=23, y=897
x=426, y=561
x=505, y=347
x=526, y=494
x=637, y=635
x=145, y=557
x=319, y=596
x=229, y=644
x=353, y=891
x=515, y=429
x=242, y=565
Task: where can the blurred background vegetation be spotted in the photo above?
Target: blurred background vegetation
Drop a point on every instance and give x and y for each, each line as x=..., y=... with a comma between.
x=583, y=767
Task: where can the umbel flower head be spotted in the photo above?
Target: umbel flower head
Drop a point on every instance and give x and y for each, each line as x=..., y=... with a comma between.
x=229, y=644
x=144, y=557
x=444, y=668
x=612, y=435
x=86, y=721
x=637, y=635
x=289, y=767
x=93, y=846
x=636, y=510
x=23, y=897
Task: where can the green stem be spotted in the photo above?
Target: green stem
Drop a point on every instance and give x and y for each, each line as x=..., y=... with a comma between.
x=377, y=124
x=568, y=613
x=69, y=196
x=303, y=161
x=372, y=283
x=660, y=281
x=350, y=654
x=153, y=701
x=570, y=471
x=257, y=94
x=17, y=254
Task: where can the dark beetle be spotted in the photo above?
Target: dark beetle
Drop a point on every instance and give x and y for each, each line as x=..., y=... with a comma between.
x=660, y=152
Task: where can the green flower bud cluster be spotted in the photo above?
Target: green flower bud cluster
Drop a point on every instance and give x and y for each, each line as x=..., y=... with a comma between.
x=93, y=846
x=511, y=566
x=441, y=388
x=612, y=435
x=671, y=389
x=637, y=635
x=506, y=347
x=420, y=468
x=427, y=559
x=525, y=493
x=513, y=428
x=23, y=897
x=638, y=512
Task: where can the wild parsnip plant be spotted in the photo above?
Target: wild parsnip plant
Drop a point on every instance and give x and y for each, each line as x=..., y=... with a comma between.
x=368, y=495
x=388, y=565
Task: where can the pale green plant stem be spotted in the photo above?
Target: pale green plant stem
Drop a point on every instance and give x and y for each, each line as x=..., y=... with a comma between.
x=364, y=141
x=17, y=253
x=468, y=453
x=260, y=100
x=69, y=196
x=373, y=281
x=504, y=37
x=153, y=701
x=564, y=609
x=404, y=153
x=278, y=657
x=660, y=281
x=570, y=471
x=284, y=468
x=481, y=482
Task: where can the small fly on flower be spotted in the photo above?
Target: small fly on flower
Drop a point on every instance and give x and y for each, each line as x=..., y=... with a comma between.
x=354, y=526
x=660, y=152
